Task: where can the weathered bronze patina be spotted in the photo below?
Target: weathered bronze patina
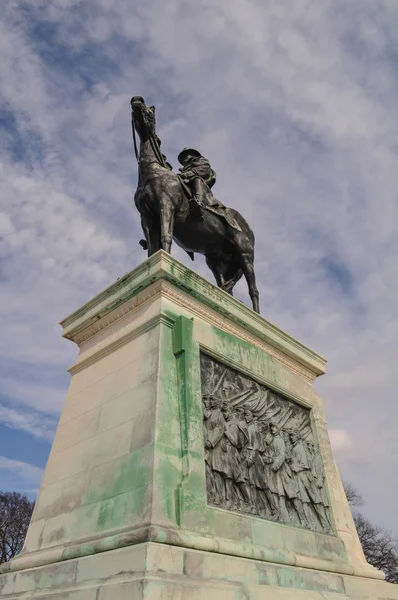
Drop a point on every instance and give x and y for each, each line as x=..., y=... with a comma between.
x=181, y=206
x=260, y=454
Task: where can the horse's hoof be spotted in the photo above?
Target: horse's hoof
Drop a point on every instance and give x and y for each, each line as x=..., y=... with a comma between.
x=144, y=244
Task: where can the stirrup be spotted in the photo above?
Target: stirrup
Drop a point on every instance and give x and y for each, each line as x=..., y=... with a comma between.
x=196, y=208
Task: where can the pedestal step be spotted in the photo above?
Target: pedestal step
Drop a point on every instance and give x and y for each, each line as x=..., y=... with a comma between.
x=159, y=572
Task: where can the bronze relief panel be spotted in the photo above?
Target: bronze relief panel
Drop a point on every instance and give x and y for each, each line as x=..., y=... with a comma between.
x=261, y=457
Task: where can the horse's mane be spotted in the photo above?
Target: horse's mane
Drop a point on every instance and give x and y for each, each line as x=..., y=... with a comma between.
x=159, y=143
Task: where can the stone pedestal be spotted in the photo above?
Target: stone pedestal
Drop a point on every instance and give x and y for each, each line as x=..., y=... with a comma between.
x=124, y=511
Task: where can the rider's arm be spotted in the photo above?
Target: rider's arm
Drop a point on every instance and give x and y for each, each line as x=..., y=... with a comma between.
x=201, y=167
x=188, y=173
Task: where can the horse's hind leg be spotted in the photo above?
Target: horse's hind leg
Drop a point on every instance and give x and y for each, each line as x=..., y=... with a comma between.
x=218, y=267
x=246, y=260
x=212, y=264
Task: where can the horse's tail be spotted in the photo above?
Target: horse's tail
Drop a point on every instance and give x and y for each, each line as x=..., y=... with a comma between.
x=243, y=225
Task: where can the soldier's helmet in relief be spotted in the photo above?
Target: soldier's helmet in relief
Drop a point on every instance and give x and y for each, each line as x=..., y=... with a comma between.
x=186, y=151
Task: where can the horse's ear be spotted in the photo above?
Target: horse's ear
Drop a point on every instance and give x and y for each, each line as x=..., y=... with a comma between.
x=152, y=108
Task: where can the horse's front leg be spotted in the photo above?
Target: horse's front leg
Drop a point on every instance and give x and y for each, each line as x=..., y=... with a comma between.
x=152, y=234
x=166, y=223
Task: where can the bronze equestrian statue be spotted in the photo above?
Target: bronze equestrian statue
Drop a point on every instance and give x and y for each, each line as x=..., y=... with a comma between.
x=181, y=206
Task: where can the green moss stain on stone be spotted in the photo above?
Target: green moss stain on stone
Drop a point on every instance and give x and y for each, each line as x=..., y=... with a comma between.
x=168, y=468
x=132, y=471
x=192, y=494
x=284, y=538
x=139, y=506
x=229, y=525
x=161, y=536
x=166, y=504
x=56, y=576
x=266, y=574
x=167, y=417
x=194, y=501
x=236, y=352
x=112, y=513
x=182, y=349
x=330, y=548
x=167, y=450
x=131, y=508
x=241, y=352
x=309, y=580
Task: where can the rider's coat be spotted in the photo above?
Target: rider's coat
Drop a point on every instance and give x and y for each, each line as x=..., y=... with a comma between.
x=198, y=166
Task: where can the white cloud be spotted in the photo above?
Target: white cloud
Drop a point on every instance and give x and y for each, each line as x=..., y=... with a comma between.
x=28, y=421
x=6, y=227
x=339, y=439
x=295, y=105
x=27, y=472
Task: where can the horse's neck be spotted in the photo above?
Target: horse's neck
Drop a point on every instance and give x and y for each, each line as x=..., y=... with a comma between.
x=148, y=160
x=149, y=165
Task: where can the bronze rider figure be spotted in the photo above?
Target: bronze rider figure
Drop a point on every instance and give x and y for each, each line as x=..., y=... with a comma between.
x=196, y=171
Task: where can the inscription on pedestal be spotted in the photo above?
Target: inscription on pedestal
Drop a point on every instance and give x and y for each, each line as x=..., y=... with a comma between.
x=260, y=454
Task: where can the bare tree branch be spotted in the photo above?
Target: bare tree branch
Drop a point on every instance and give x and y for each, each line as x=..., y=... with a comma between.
x=353, y=496
x=379, y=545
x=15, y=513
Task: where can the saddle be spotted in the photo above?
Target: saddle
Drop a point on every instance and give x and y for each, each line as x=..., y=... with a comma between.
x=211, y=205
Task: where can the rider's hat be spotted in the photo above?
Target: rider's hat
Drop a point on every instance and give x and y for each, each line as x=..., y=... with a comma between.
x=186, y=151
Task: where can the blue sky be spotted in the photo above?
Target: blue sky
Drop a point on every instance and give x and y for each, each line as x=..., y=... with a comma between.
x=295, y=105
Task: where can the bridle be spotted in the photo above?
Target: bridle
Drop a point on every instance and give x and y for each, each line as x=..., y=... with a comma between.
x=152, y=140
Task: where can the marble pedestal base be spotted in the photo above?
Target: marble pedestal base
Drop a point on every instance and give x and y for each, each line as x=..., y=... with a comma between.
x=152, y=571
x=123, y=510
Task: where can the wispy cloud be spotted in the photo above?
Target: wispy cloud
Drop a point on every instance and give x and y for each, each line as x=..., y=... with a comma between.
x=295, y=105
x=31, y=422
x=30, y=474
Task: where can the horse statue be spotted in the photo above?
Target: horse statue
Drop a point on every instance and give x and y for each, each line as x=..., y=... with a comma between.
x=163, y=201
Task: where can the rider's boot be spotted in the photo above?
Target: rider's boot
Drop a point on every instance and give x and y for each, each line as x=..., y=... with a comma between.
x=196, y=202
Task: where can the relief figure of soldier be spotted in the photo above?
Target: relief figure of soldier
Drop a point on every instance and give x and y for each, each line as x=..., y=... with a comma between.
x=260, y=457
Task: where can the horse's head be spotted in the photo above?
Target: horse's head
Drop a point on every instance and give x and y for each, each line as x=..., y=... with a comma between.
x=143, y=118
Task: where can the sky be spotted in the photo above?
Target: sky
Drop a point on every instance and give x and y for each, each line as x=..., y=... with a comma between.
x=295, y=105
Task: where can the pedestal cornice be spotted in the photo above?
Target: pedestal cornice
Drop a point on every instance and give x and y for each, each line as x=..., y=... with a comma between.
x=163, y=275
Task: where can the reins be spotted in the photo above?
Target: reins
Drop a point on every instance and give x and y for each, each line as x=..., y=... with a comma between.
x=156, y=150
x=135, y=139
x=152, y=140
